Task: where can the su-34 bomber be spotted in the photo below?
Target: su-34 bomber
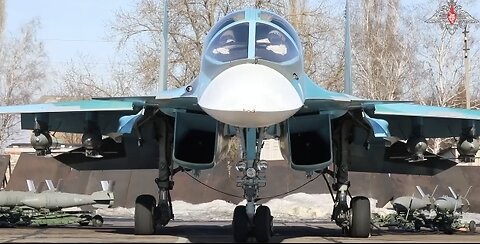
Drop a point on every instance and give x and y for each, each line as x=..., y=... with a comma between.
x=252, y=85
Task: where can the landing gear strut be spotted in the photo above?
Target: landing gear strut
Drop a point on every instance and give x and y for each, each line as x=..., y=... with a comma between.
x=248, y=221
x=149, y=214
x=354, y=220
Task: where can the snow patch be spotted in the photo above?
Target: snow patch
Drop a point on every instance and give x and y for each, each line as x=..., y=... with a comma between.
x=298, y=207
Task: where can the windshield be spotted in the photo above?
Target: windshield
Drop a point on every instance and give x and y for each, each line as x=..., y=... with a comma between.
x=230, y=44
x=273, y=44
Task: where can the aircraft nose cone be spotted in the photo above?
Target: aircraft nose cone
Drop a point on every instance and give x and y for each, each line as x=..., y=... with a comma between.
x=250, y=95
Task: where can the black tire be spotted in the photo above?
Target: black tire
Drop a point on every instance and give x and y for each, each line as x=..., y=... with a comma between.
x=83, y=223
x=448, y=230
x=85, y=219
x=97, y=221
x=263, y=224
x=144, y=221
x=360, y=221
x=240, y=224
x=472, y=226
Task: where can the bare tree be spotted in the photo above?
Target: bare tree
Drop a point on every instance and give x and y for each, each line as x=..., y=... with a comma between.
x=441, y=56
x=21, y=73
x=80, y=81
x=190, y=22
x=2, y=17
x=384, y=51
x=321, y=33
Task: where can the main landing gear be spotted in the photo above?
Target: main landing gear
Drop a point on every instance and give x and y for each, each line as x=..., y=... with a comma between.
x=354, y=220
x=149, y=214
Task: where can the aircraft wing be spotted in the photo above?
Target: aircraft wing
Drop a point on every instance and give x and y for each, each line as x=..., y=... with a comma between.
x=114, y=116
x=438, y=122
x=74, y=106
x=70, y=116
x=392, y=123
x=178, y=98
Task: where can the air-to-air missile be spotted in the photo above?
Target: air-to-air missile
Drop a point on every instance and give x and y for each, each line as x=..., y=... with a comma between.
x=412, y=213
x=48, y=207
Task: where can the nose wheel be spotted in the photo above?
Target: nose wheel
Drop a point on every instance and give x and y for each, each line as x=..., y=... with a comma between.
x=260, y=226
x=240, y=224
x=263, y=221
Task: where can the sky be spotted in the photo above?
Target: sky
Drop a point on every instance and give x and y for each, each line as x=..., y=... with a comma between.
x=73, y=29
x=69, y=29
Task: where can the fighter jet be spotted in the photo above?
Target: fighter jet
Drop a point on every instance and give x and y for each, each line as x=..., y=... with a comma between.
x=252, y=85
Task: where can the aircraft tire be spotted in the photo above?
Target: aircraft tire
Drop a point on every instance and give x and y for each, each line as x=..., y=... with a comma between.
x=360, y=221
x=263, y=224
x=144, y=220
x=472, y=226
x=240, y=224
x=85, y=219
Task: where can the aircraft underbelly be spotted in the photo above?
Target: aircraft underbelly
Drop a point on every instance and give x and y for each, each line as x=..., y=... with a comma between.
x=250, y=119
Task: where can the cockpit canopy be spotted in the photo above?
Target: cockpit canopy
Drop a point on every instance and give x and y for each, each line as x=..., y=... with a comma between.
x=253, y=34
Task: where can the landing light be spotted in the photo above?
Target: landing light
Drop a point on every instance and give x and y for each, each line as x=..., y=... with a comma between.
x=241, y=166
x=251, y=172
x=262, y=165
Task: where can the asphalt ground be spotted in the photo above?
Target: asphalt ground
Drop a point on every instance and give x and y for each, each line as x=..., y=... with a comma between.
x=120, y=230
